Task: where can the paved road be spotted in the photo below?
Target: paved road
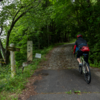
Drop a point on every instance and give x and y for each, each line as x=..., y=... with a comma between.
x=57, y=81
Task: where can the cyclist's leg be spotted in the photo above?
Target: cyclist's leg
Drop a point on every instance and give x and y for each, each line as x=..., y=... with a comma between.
x=86, y=55
x=79, y=61
x=79, y=53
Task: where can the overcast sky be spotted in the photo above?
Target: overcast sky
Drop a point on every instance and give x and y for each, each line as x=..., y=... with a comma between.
x=0, y=6
x=7, y=2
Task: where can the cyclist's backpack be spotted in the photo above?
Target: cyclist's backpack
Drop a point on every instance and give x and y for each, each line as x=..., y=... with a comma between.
x=85, y=49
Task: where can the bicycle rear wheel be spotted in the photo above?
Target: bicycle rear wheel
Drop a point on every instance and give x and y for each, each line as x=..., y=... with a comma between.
x=80, y=68
x=87, y=74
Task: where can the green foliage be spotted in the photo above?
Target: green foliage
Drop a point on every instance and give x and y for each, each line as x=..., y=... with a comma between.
x=77, y=92
x=52, y=21
x=69, y=92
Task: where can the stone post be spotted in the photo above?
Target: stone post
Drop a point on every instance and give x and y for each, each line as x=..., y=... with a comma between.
x=29, y=51
x=12, y=54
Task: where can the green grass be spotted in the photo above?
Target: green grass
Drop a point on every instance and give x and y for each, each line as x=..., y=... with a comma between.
x=95, y=64
x=15, y=85
x=69, y=92
x=77, y=92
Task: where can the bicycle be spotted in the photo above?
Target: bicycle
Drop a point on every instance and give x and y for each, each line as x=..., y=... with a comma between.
x=85, y=69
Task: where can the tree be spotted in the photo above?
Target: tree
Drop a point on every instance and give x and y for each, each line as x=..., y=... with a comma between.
x=14, y=12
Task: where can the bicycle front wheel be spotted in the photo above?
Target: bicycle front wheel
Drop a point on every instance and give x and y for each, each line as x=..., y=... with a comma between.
x=87, y=74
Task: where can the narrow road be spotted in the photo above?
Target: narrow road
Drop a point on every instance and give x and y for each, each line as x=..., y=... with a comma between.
x=60, y=78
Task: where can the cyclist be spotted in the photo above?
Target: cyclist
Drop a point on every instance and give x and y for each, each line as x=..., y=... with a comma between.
x=81, y=47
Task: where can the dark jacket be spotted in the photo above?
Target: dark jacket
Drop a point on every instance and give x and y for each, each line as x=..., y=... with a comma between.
x=80, y=42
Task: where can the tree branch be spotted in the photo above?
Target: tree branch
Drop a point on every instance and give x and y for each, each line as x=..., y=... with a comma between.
x=26, y=11
x=14, y=21
x=17, y=13
x=21, y=8
x=2, y=49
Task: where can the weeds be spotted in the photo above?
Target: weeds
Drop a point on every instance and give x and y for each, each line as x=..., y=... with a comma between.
x=77, y=92
x=69, y=92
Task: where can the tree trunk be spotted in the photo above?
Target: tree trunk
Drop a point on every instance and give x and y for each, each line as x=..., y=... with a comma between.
x=1, y=59
x=7, y=60
x=48, y=36
x=2, y=49
x=7, y=53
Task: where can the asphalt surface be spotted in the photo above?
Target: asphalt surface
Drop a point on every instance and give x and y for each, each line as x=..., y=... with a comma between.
x=56, y=85
x=61, y=84
x=66, y=97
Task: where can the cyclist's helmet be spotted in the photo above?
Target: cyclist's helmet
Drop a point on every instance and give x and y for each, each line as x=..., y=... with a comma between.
x=79, y=35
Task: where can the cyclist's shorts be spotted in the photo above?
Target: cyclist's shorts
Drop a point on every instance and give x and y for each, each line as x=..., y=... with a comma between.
x=80, y=53
x=85, y=54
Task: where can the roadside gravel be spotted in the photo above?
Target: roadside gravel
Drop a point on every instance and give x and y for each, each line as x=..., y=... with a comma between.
x=61, y=57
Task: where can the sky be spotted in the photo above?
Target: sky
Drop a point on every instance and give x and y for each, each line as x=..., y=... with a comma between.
x=0, y=28
x=3, y=37
x=0, y=6
x=6, y=3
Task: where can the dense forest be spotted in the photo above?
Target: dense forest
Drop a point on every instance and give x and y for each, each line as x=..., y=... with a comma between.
x=47, y=22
